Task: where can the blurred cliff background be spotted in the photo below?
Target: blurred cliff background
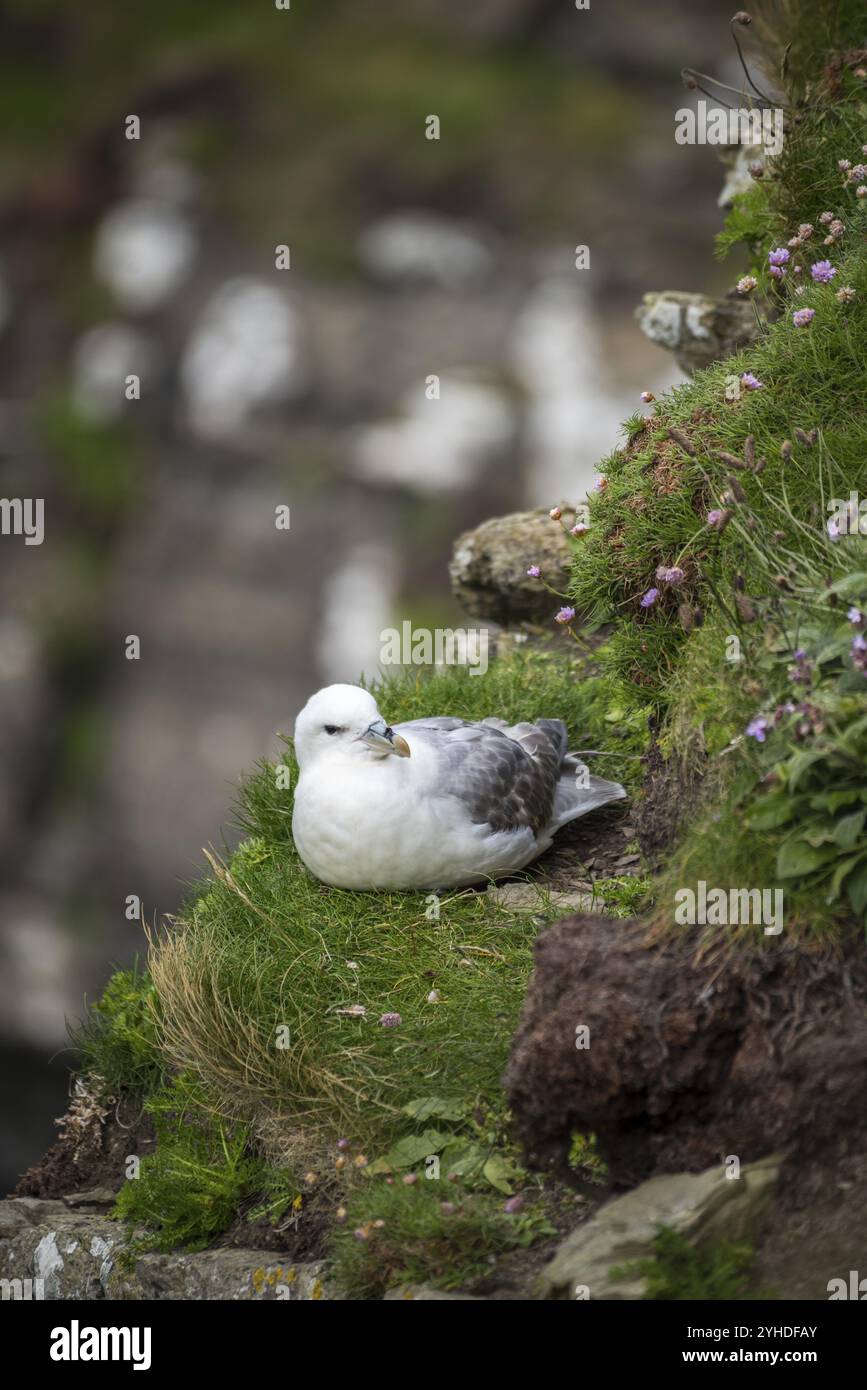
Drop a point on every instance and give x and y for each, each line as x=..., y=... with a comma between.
x=303, y=387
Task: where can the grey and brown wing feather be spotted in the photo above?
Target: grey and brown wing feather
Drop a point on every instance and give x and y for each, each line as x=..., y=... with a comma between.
x=506, y=775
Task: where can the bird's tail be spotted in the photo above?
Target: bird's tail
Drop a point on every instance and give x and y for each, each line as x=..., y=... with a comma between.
x=577, y=791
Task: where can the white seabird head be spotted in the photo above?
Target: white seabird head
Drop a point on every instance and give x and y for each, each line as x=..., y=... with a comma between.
x=344, y=719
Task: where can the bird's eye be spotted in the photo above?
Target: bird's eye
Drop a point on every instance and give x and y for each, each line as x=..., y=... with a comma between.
x=332, y=728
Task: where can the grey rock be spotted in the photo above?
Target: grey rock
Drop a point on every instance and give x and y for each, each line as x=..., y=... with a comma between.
x=537, y=897
x=77, y=1255
x=20, y=1213
x=697, y=328
x=488, y=568
x=238, y=1275
x=94, y=1199
x=699, y=1206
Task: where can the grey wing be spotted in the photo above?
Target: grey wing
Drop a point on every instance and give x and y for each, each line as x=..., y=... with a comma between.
x=507, y=781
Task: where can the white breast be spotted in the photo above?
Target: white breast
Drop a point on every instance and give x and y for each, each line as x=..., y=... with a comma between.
x=372, y=827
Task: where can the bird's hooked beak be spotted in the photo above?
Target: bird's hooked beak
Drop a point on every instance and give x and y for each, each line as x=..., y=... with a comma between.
x=384, y=740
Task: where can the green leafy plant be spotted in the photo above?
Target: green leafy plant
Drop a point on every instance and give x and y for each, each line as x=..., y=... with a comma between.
x=118, y=1042
x=681, y=1272
x=812, y=756
x=473, y=1148
x=191, y=1188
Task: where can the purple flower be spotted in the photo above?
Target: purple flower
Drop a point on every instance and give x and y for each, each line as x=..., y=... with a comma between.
x=859, y=652
x=833, y=529
x=391, y=1020
x=758, y=729
x=801, y=317
x=779, y=257
x=343, y=1143
x=534, y=571
x=565, y=615
x=751, y=382
x=802, y=672
x=670, y=575
x=823, y=272
x=600, y=484
x=778, y=272
x=579, y=529
x=514, y=1205
x=714, y=517
x=649, y=599
x=855, y=615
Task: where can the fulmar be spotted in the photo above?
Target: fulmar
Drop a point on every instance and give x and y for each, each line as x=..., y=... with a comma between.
x=433, y=803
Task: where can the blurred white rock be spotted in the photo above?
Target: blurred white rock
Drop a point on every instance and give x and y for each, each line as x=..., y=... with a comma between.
x=38, y=981
x=437, y=446
x=575, y=399
x=422, y=247
x=144, y=251
x=358, y=601
x=102, y=359
x=19, y=649
x=244, y=352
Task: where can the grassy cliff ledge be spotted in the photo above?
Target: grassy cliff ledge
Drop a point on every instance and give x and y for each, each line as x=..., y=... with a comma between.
x=726, y=541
